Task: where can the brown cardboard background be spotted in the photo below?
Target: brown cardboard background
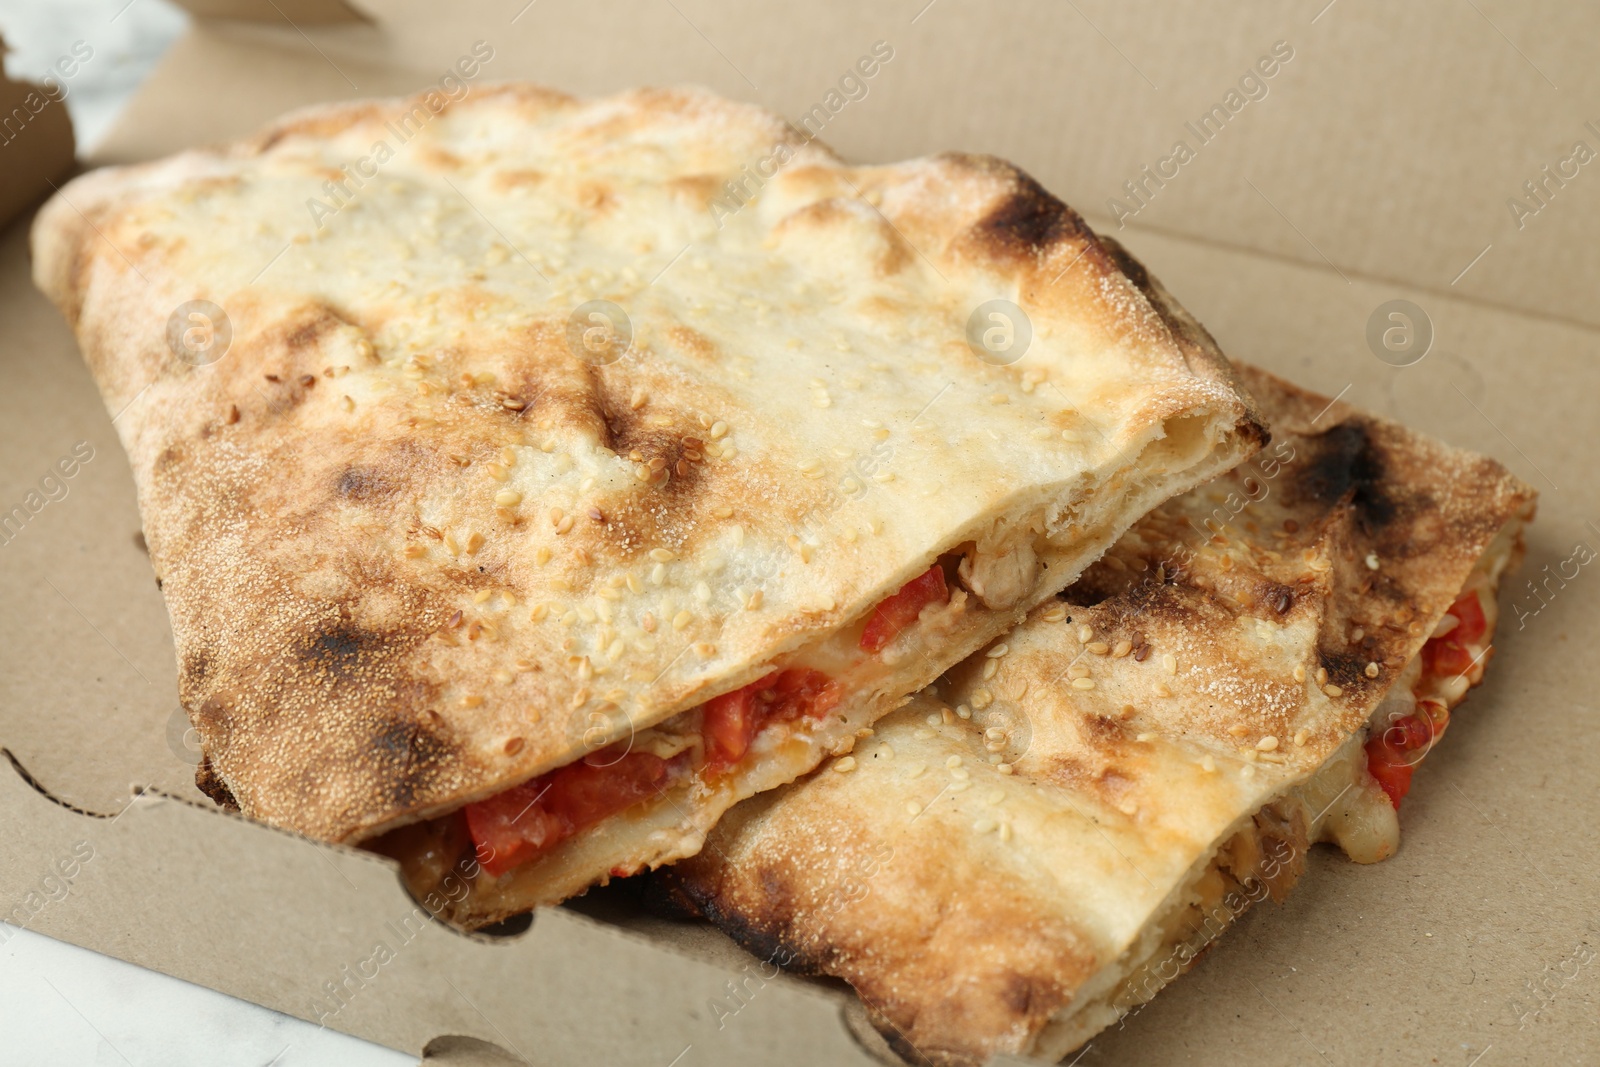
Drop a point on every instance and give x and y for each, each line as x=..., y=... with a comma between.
x=1498, y=861
x=34, y=154
x=1391, y=142
x=86, y=634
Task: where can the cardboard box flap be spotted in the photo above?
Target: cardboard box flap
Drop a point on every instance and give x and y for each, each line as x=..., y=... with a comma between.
x=333, y=939
x=35, y=141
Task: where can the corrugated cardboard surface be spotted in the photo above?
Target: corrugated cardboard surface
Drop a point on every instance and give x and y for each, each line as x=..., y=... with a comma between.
x=1386, y=144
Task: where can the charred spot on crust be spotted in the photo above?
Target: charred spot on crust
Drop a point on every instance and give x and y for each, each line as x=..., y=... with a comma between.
x=362, y=483
x=414, y=751
x=1133, y=590
x=1069, y=771
x=1127, y=264
x=1101, y=729
x=1133, y=605
x=760, y=940
x=618, y=422
x=211, y=784
x=674, y=455
x=1095, y=586
x=1346, y=466
x=1384, y=589
x=1020, y=994
x=1028, y=222
x=310, y=329
x=1344, y=667
x=1330, y=472
x=304, y=331
x=340, y=650
x=196, y=665
x=394, y=738
x=665, y=895
x=213, y=709
x=304, y=335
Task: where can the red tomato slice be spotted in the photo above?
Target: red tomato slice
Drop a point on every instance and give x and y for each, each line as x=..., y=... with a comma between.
x=1394, y=775
x=728, y=724
x=1445, y=658
x=1393, y=755
x=581, y=794
x=1408, y=735
x=902, y=609
x=800, y=692
x=1473, y=625
x=731, y=721
x=511, y=828
x=515, y=826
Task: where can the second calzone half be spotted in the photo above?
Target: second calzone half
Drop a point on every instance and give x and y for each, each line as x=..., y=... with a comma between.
x=530, y=479
x=1035, y=847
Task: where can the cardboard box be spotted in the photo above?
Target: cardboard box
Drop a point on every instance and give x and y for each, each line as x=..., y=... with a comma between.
x=1375, y=162
x=35, y=135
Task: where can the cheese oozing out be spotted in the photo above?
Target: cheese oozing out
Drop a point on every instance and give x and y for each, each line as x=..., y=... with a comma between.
x=1341, y=803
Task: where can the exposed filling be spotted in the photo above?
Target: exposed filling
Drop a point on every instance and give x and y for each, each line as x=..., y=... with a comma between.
x=901, y=610
x=522, y=823
x=704, y=746
x=513, y=827
x=1267, y=855
x=1452, y=661
x=527, y=820
x=540, y=841
x=1264, y=858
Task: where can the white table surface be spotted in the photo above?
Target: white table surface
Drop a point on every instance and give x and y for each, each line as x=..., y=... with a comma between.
x=60, y=1004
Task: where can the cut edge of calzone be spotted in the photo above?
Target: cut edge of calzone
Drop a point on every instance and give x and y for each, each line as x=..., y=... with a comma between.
x=521, y=505
x=1033, y=848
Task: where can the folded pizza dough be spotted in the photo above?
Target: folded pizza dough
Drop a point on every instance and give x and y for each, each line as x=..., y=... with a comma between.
x=480, y=443
x=1035, y=847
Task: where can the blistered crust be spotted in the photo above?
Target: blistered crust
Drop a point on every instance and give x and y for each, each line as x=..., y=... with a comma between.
x=367, y=635
x=999, y=851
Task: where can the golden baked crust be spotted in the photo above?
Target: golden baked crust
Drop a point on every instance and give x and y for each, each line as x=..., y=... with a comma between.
x=1104, y=800
x=416, y=550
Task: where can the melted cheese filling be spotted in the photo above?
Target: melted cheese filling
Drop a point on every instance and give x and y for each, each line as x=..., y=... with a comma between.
x=1341, y=803
x=1066, y=535
x=779, y=752
x=675, y=825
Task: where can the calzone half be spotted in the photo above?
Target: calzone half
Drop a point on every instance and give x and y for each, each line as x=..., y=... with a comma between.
x=538, y=477
x=1032, y=849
